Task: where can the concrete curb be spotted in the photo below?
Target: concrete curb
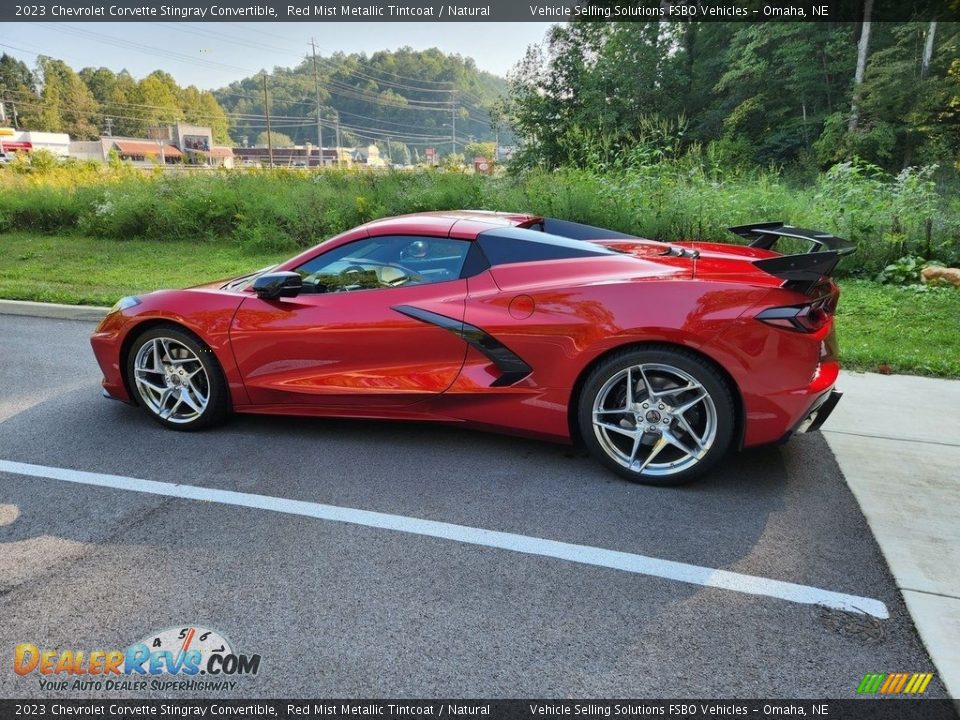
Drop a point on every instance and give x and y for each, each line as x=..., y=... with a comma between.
x=52, y=310
x=896, y=439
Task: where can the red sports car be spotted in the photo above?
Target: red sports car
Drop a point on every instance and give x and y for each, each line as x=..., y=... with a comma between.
x=659, y=357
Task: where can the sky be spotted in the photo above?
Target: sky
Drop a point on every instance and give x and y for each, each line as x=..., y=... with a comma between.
x=211, y=55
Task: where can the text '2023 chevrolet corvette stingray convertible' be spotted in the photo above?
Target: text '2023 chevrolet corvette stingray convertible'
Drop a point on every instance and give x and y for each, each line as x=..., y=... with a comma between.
x=659, y=357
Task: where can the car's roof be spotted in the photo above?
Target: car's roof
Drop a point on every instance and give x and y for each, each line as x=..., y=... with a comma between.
x=442, y=222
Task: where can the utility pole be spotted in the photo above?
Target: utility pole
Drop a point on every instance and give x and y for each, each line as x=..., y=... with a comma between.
x=316, y=85
x=453, y=123
x=266, y=109
x=109, y=122
x=389, y=150
x=3, y=110
x=336, y=115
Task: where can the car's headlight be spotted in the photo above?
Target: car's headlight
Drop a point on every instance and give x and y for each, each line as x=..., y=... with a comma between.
x=124, y=303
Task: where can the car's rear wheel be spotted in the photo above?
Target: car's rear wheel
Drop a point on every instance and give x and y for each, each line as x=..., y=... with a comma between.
x=177, y=379
x=659, y=416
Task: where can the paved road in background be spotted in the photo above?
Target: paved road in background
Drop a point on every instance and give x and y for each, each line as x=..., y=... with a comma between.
x=337, y=610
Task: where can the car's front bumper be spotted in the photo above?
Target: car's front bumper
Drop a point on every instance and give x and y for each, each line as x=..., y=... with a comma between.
x=107, y=341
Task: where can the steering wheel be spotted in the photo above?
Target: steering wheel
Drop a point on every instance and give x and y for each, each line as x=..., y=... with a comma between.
x=352, y=269
x=406, y=274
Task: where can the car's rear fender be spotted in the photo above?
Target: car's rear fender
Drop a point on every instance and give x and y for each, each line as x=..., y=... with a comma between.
x=781, y=371
x=560, y=332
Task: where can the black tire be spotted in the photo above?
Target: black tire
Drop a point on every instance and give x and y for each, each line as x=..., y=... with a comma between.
x=210, y=382
x=710, y=419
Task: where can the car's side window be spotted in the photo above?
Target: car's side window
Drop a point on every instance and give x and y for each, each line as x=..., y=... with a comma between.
x=388, y=261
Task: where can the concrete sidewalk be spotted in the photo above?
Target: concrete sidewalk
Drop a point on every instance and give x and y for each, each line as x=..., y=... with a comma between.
x=897, y=440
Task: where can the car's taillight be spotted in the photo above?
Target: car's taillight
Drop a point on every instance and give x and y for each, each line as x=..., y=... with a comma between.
x=801, y=318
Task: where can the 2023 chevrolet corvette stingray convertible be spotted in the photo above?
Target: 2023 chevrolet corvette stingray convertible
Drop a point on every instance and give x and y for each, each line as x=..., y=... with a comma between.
x=659, y=357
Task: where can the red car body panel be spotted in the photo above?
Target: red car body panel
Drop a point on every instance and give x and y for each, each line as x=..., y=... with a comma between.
x=330, y=349
x=352, y=354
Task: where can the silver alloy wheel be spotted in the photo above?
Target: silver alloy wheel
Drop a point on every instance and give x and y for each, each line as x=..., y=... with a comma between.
x=171, y=380
x=654, y=419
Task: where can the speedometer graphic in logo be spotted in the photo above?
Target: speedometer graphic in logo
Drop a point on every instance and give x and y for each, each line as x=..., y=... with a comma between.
x=196, y=642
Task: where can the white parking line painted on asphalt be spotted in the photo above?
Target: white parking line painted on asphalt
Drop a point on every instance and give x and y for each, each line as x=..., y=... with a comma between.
x=584, y=554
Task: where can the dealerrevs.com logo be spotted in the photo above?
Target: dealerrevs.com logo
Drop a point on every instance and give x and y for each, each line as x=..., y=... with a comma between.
x=189, y=658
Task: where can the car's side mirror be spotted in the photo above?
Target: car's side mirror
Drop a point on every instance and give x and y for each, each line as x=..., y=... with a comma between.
x=278, y=284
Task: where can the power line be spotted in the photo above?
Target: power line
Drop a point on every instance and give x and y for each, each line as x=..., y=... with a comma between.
x=37, y=103
x=336, y=87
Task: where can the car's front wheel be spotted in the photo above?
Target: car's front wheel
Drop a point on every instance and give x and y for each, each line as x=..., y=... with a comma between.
x=659, y=416
x=177, y=379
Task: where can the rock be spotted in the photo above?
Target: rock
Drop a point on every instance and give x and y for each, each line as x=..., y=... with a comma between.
x=936, y=274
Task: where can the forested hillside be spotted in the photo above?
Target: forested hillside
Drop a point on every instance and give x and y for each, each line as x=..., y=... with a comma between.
x=407, y=99
x=412, y=97
x=750, y=93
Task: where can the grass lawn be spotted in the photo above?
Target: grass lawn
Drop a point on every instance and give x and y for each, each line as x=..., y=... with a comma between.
x=883, y=328
x=899, y=330
x=80, y=270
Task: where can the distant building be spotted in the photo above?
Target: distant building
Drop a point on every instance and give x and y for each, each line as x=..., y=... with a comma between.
x=299, y=156
x=169, y=145
x=138, y=151
x=369, y=156
x=196, y=144
x=12, y=141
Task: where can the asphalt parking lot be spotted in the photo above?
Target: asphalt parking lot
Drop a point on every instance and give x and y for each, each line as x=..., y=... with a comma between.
x=339, y=609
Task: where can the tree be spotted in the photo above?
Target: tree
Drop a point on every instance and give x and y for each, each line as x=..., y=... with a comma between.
x=17, y=87
x=67, y=105
x=394, y=151
x=200, y=107
x=279, y=139
x=903, y=105
x=928, y=50
x=117, y=106
x=113, y=92
x=156, y=101
x=863, y=48
x=486, y=150
x=780, y=84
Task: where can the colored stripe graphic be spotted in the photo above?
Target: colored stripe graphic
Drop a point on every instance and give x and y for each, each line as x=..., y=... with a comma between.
x=888, y=683
x=914, y=682
x=901, y=681
x=871, y=683
x=894, y=683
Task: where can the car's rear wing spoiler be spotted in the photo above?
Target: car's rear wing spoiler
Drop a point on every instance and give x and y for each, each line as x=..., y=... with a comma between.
x=805, y=269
